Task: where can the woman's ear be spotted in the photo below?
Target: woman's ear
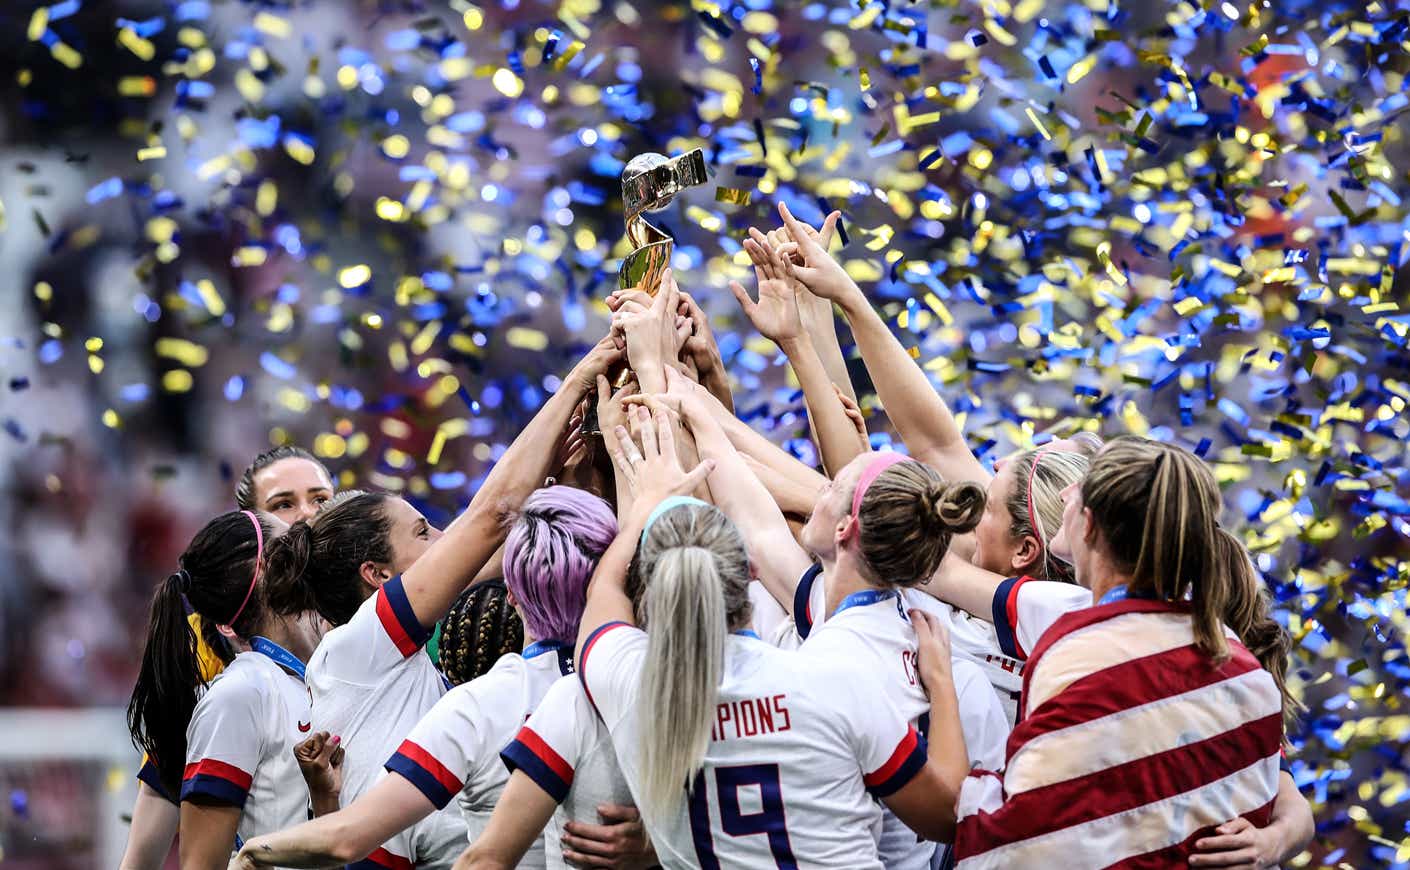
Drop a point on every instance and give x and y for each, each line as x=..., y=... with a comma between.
x=1089, y=528
x=373, y=574
x=846, y=528
x=1026, y=556
x=227, y=632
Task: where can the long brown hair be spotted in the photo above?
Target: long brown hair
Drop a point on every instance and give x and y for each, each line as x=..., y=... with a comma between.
x=1157, y=506
x=216, y=574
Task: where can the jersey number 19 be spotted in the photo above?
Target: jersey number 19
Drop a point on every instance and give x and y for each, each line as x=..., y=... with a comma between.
x=769, y=820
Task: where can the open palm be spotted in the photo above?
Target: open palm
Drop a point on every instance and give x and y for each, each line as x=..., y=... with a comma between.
x=775, y=314
x=819, y=272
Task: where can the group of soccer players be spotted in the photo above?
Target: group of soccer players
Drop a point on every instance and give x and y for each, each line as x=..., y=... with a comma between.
x=697, y=651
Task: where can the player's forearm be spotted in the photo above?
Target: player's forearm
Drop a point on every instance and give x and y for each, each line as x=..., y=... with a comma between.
x=714, y=379
x=921, y=417
x=323, y=803
x=748, y=504
x=792, y=495
x=767, y=453
x=453, y=562
x=836, y=437
x=607, y=599
x=477, y=856
x=1292, y=825
x=964, y=585
x=327, y=841
x=818, y=322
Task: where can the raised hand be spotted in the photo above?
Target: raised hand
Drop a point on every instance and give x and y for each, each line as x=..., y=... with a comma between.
x=819, y=272
x=652, y=470
x=651, y=334
x=853, y=412
x=700, y=346
x=320, y=762
x=620, y=842
x=775, y=315
x=611, y=407
x=598, y=361
x=822, y=236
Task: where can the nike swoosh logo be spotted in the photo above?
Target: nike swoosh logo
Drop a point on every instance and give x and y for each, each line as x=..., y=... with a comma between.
x=305, y=726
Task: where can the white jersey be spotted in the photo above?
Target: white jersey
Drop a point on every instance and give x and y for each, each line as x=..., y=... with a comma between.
x=795, y=747
x=370, y=684
x=1024, y=608
x=240, y=745
x=766, y=613
x=453, y=752
x=873, y=630
x=566, y=750
x=971, y=638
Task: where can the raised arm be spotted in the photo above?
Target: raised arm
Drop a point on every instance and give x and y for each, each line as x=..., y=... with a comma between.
x=919, y=414
x=776, y=317
x=435, y=580
x=344, y=837
x=816, y=312
x=964, y=585
x=793, y=496
x=777, y=557
x=653, y=474
x=704, y=352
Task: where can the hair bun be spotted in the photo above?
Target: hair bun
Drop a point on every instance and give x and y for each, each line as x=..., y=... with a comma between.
x=957, y=506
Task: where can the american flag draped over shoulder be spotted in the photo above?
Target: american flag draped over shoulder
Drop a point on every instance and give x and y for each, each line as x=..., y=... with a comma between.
x=1132, y=744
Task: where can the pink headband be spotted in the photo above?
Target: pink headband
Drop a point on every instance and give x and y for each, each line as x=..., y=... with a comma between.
x=873, y=470
x=259, y=555
x=1032, y=516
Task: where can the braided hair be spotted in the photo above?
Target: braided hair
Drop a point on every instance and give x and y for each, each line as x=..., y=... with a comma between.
x=480, y=627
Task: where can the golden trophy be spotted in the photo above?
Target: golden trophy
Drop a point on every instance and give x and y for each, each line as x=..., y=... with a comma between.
x=649, y=183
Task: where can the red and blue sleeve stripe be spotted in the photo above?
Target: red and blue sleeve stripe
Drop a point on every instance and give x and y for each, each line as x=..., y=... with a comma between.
x=587, y=648
x=903, y=765
x=381, y=859
x=399, y=620
x=422, y=770
x=217, y=781
x=1005, y=609
x=802, y=605
x=149, y=774
x=528, y=752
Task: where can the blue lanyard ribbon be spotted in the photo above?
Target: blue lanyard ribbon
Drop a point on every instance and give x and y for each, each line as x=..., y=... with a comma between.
x=1120, y=593
x=281, y=657
x=747, y=632
x=564, y=650
x=539, y=647
x=865, y=597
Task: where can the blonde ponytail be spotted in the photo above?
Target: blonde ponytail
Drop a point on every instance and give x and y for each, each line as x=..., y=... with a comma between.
x=690, y=580
x=685, y=653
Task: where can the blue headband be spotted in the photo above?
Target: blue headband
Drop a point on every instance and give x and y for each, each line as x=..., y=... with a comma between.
x=674, y=501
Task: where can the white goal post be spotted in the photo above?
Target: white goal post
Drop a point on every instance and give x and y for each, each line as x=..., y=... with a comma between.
x=68, y=781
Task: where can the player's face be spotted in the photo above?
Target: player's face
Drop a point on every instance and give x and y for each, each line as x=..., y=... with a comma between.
x=291, y=489
x=832, y=510
x=996, y=549
x=411, y=534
